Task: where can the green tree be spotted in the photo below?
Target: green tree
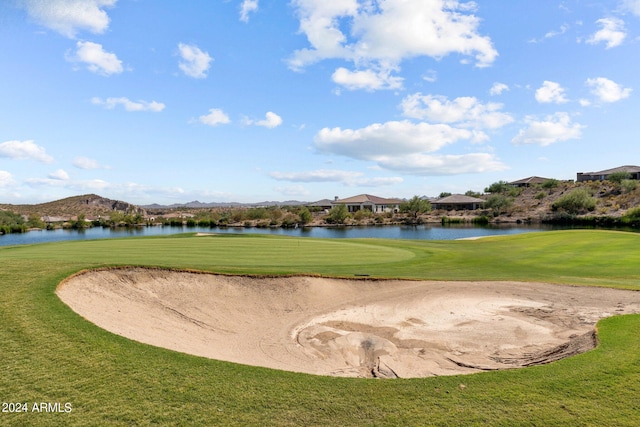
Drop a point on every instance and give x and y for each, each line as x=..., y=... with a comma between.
x=35, y=221
x=80, y=223
x=305, y=215
x=444, y=194
x=11, y=222
x=415, y=206
x=498, y=203
x=498, y=187
x=618, y=177
x=338, y=214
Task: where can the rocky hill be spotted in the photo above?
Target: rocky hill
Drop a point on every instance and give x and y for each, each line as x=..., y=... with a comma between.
x=91, y=205
x=610, y=200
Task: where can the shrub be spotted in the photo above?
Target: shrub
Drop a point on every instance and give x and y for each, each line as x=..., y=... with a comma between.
x=632, y=215
x=618, y=177
x=576, y=202
x=257, y=213
x=550, y=183
x=541, y=195
x=362, y=214
x=497, y=203
x=337, y=215
x=449, y=220
x=305, y=216
x=481, y=220
x=628, y=185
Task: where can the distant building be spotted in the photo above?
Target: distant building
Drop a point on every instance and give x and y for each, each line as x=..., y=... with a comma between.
x=457, y=202
x=634, y=171
x=368, y=202
x=527, y=182
x=324, y=204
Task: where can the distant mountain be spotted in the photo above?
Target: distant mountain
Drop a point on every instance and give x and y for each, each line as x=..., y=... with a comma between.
x=198, y=205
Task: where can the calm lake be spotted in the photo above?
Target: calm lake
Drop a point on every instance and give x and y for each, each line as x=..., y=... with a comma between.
x=428, y=232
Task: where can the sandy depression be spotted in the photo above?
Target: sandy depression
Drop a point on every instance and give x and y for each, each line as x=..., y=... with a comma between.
x=352, y=328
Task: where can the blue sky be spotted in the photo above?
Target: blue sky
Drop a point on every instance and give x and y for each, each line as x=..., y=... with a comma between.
x=251, y=100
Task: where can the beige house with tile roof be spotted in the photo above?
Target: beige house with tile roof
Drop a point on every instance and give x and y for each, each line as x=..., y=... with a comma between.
x=527, y=182
x=368, y=202
x=457, y=202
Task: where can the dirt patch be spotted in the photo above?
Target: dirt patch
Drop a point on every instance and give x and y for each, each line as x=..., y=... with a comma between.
x=353, y=328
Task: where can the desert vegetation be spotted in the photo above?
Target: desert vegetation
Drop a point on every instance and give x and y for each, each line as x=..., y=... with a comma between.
x=553, y=201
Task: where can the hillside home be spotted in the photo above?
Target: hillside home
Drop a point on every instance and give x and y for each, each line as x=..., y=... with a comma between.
x=634, y=171
x=528, y=182
x=368, y=202
x=457, y=202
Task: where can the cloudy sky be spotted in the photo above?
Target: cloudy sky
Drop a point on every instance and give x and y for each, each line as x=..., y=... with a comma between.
x=251, y=100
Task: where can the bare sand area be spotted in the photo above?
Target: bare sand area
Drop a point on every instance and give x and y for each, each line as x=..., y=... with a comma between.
x=350, y=328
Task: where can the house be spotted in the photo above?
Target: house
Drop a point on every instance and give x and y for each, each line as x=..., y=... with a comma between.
x=457, y=202
x=528, y=182
x=368, y=202
x=324, y=204
x=634, y=171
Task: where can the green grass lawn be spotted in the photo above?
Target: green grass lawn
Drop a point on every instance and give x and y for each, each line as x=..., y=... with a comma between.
x=50, y=354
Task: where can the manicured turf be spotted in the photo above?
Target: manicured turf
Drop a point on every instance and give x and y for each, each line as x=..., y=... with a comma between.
x=49, y=354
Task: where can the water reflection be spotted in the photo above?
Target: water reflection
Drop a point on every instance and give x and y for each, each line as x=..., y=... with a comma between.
x=427, y=232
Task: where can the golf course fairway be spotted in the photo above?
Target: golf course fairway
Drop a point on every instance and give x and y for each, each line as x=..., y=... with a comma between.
x=60, y=369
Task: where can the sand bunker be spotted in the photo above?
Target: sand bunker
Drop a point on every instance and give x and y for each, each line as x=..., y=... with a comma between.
x=351, y=328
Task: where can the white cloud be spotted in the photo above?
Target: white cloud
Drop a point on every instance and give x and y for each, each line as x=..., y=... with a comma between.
x=498, y=88
x=555, y=128
x=465, y=111
x=87, y=163
x=60, y=174
x=294, y=190
x=405, y=147
x=430, y=76
x=247, y=7
x=67, y=17
x=388, y=139
x=550, y=92
x=24, y=150
x=347, y=178
x=366, y=79
x=632, y=6
x=584, y=102
x=215, y=117
x=379, y=35
x=551, y=34
x=321, y=175
x=129, y=105
x=434, y=165
x=271, y=120
x=6, y=179
x=93, y=185
x=607, y=90
x=195, y=63
x=612, y=32
x=97, y=59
